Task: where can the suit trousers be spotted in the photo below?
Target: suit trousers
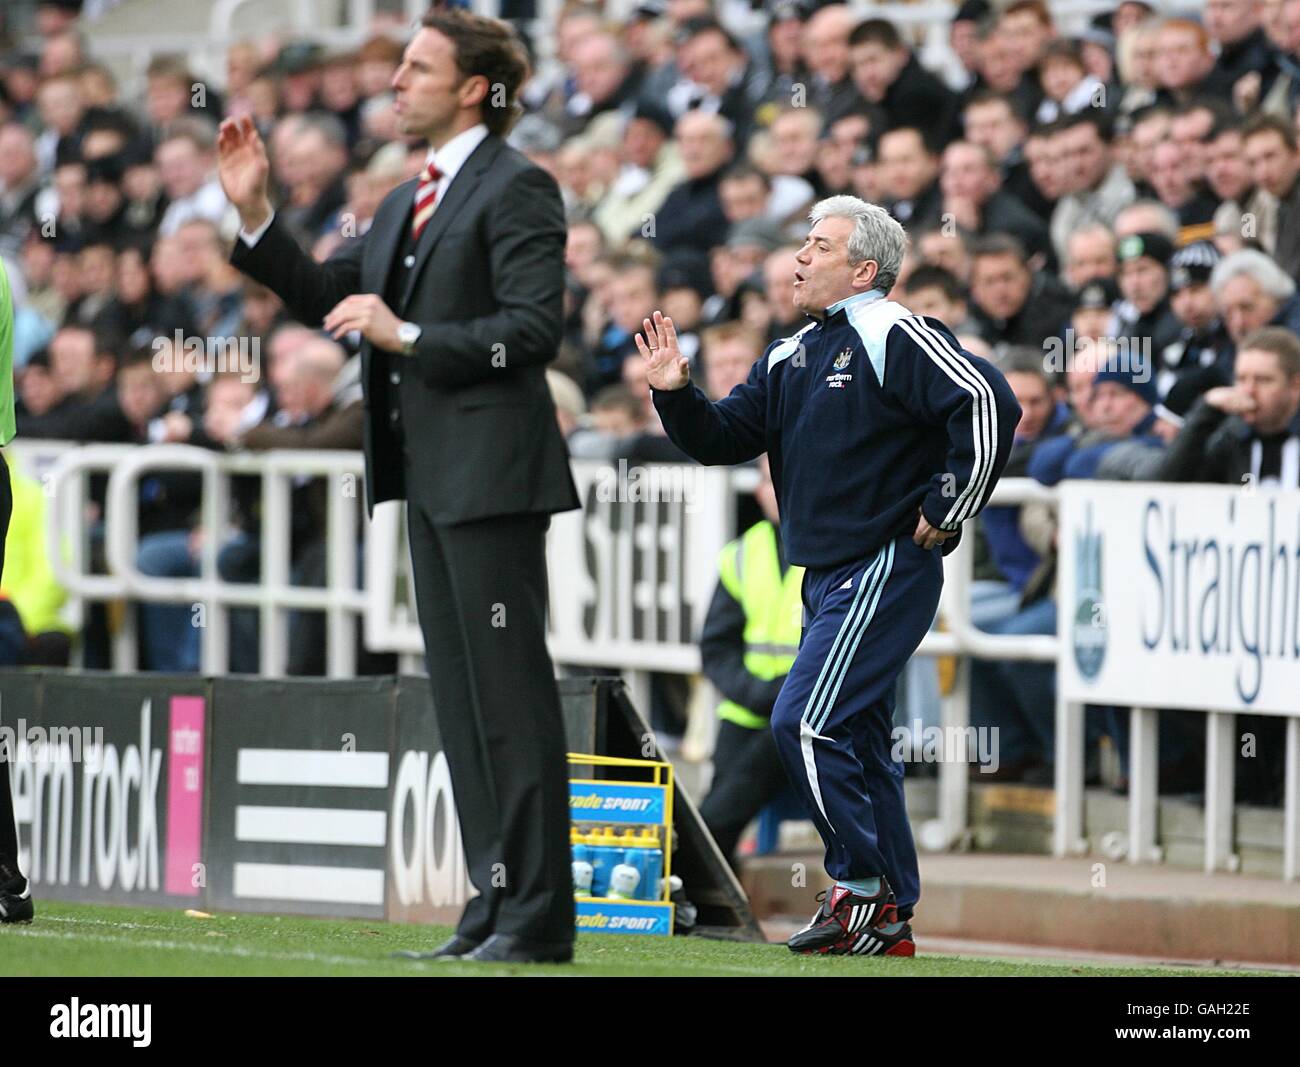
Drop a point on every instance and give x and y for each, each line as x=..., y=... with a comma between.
x=481, y=595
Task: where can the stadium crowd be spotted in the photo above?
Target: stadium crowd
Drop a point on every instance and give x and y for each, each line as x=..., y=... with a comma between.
x=1111, y=216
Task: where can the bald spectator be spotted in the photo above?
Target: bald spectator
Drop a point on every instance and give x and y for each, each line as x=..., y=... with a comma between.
x=826, y=37
x=1146, y=216
x=1090, y=255
x=691, y=215
x=887, y=73
x=1234, y=26
x=605, y=77
x=1097, y=189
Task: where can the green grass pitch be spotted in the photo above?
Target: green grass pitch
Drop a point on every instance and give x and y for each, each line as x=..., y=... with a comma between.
x=89, y=940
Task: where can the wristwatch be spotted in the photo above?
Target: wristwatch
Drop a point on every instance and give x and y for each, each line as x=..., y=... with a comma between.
x=408, y=333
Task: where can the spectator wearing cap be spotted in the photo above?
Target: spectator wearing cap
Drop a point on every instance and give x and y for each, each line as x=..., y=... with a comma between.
x=1246, y=209
x=1093, y=324
x=888, y=74
x=1089, y=255
x=1234, y=26
x=650, y=167
x=1171, y=177
x=691, y=215
x=1251, y=291
x=1122, y=408
x=973, y=198
x=1201, y=357
x=992, y=122
x=717, y=77
x=1145, y=316
x=1098, y=187
x=1013, y=304
x=1271, y=149
x=19, y=186
x=909, y=178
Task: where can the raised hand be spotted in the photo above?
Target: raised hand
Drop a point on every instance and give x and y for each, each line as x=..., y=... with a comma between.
x=243, y=168
x=666, y=367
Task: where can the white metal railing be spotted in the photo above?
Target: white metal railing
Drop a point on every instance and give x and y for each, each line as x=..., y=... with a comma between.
x=341, y=599
x=613, y=540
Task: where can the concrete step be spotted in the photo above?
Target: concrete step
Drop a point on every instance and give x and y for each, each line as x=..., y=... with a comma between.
x=1087, y=905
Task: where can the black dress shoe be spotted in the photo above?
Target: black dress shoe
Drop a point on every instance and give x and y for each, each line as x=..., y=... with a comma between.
x=506, y=948
x=451, y=949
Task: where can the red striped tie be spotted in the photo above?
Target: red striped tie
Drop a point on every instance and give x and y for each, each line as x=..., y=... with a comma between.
x=425, y=199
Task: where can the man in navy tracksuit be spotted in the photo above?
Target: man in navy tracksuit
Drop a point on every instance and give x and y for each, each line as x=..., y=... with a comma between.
x=884, y=436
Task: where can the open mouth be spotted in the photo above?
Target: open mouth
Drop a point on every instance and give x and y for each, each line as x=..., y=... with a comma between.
x=798, y=278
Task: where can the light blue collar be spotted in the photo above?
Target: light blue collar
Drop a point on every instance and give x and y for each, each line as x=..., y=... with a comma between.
x=868, y=297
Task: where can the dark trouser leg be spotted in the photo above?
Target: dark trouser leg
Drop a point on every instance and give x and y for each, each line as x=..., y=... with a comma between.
x=8, y=827
x=747, y=775
x=498, y=574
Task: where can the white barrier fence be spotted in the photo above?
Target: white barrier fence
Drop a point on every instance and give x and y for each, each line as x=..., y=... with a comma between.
x=631, y=576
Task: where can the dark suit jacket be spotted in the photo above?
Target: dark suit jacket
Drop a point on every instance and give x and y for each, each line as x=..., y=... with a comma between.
x=487, y=289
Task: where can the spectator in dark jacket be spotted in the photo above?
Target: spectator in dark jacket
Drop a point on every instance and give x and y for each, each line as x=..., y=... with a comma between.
x=888, y=74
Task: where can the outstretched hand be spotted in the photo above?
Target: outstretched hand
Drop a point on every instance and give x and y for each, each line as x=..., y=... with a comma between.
x=244, y=169
x=666, y=367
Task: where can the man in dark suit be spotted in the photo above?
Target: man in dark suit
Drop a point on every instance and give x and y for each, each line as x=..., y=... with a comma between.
x=456, y=291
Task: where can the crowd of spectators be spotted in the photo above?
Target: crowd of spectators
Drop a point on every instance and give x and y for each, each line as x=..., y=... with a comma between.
x=1129, y=187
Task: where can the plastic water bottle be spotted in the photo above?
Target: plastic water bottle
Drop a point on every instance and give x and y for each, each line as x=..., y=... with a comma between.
x=624, y=879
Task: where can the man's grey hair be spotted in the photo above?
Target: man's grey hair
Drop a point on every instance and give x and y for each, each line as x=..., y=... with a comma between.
x=1271, y=278
x=876, y=235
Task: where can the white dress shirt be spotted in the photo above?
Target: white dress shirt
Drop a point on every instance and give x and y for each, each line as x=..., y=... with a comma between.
x=449, y=158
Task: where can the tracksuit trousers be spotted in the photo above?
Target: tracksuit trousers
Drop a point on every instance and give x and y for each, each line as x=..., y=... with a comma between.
x=833, y=720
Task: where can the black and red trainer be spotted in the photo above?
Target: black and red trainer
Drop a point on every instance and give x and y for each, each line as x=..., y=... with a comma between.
x=842, y=914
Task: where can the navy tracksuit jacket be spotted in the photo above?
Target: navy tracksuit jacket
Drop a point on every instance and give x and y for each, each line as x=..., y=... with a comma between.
x=867, y=416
